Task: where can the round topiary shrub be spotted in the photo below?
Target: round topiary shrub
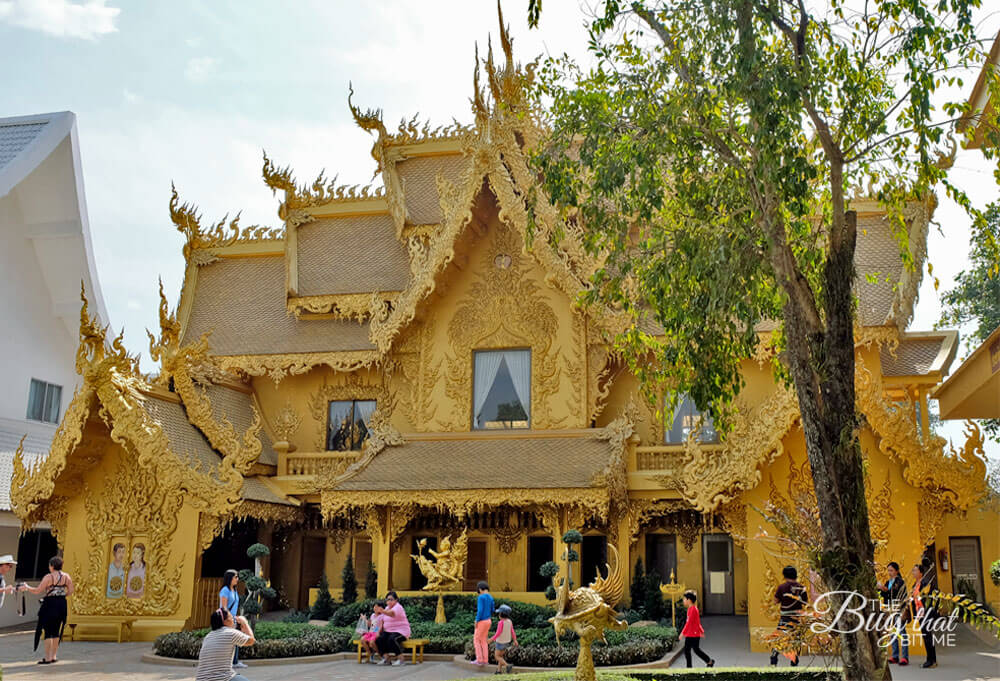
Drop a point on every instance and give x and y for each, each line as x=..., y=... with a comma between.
x=995, y=572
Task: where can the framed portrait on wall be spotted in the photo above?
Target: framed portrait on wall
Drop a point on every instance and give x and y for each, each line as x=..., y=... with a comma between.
x=135, y=582
x=117, y=557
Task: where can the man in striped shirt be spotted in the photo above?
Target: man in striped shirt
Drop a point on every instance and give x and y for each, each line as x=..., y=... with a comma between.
x=215, y=662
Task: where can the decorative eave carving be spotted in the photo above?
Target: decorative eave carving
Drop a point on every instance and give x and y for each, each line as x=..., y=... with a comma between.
x=294, y=209
x=461, y=503
x=112, y=382
x=278, y=366
x=957, y=477
x=710, y=479
x=186, y=218
x=357, y=306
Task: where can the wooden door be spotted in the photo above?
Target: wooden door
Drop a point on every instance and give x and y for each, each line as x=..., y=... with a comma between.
x=966, y=567
x=717, y=576
x=313, y=562
x=476, y=568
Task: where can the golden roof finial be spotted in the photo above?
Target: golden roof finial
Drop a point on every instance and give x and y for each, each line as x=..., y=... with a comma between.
x=163, y=348
x=277, y=178
x=92, y=337
x=370, y=120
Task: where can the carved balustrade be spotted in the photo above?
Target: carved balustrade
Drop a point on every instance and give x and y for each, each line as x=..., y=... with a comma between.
x=312, y=463
x=659, y=466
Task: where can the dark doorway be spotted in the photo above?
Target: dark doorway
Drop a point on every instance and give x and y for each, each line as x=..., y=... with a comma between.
x=313, y=564
x=593, y=557
x=476, y=565
x=539, y=553
x=229, y=550
x=34, y=549
x=417, y=579
x=661, y=555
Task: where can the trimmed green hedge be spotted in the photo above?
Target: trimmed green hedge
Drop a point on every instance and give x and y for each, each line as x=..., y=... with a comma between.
x=538, y=648
x=456, y=608
x=719, y=674
x=274, y=639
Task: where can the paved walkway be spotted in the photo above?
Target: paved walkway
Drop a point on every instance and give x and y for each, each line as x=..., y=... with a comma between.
x=726, y=640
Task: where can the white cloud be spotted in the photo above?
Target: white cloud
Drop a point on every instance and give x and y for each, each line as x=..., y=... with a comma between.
x=199, y=69
x=88, y=20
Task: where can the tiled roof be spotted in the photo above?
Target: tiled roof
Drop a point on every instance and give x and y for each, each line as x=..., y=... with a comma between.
x=876, y=256
x=15, y=138
x=351, y=255
x=479, y=463
x=187, y=442
x=238, y=408
x=914, y=356
x=419, y=179
x=242, y=302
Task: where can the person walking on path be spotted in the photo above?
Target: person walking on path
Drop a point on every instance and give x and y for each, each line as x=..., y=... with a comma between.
x=215, y=661
x=693, y=631
x=229, y=598
x=792, y=599
x=395, y=630
x=56, y=586
x=504, y=638
x=484, y=619
x=923, y=610
x=893, y=594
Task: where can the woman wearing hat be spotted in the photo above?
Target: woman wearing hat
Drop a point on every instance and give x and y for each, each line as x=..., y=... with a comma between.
x=7, y=564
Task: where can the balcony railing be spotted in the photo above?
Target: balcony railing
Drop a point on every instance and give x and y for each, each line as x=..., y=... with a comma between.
x=311, y=463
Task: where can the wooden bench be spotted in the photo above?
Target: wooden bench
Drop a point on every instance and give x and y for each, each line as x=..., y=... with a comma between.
x=414, y=645
x=121, y=627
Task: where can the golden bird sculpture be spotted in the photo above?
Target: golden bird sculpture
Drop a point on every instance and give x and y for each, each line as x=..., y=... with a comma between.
x=588, y=611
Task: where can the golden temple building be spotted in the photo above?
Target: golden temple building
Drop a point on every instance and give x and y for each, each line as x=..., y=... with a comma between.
x=402, y=363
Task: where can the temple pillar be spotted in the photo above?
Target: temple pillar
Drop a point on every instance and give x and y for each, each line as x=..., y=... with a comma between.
x=382, y=545
x=623, y=542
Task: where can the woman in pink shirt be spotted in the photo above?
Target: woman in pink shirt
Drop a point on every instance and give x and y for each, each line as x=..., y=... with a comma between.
x=692, y=631
x=395, y=630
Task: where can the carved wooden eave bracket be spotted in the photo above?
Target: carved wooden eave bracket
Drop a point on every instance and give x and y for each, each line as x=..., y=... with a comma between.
x=956, y=477
x=711, y=478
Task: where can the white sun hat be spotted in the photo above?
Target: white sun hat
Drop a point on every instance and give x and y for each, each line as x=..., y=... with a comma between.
x=7, y=559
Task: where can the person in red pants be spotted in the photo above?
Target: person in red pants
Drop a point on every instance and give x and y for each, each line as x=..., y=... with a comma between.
x=692, y=631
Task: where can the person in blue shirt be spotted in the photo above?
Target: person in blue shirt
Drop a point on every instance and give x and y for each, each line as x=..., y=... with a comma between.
x=484, y=620
x=229, y=598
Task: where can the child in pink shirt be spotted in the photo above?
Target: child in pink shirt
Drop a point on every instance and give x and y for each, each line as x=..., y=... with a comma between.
x=504, y=638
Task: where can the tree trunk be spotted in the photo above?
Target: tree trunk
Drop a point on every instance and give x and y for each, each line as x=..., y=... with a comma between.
x=822, y=365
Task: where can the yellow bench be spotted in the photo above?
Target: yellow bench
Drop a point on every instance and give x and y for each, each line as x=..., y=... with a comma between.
x=122, y=627
x=414, y=645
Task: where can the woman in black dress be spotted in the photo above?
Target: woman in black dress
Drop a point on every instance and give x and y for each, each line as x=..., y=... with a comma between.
x=56, y=586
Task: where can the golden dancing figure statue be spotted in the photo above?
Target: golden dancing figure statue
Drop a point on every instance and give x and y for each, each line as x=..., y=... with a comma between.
x=445, y=573
x=589, y=611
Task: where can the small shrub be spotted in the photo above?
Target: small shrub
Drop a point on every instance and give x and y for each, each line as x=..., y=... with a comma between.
x=324, y=606
x=637, y=590
x=995, y=572
x=371, y=582
x=349, y=581
x=347, y=614
x=654, y=607
x=258, y=551
x=274, y=639
x=296, y=616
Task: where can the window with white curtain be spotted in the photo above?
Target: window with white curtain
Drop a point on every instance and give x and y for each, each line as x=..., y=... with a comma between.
x=347, y=424
x=501, y=389
x=684, y=419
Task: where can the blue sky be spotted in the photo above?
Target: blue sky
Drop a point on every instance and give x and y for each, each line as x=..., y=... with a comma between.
x=191, y=92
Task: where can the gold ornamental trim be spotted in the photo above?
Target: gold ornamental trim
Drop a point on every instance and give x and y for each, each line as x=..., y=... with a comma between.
x=337, y=504
x=280, y=366
x=357, y=306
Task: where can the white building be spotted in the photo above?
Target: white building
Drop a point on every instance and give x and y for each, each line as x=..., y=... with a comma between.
x=45, y=253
